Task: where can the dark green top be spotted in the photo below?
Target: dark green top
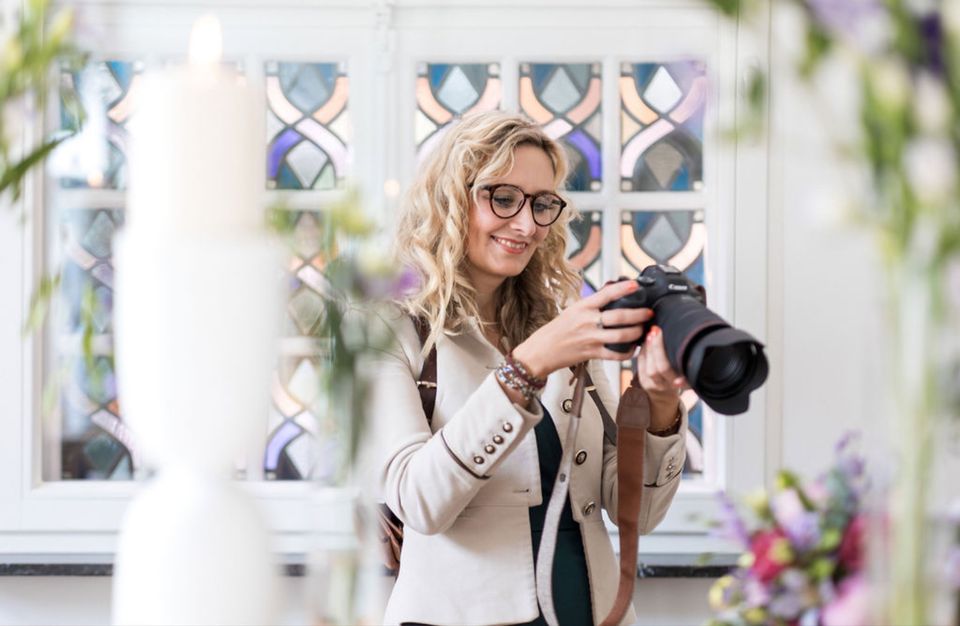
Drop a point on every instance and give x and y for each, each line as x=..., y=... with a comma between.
x=571, y=585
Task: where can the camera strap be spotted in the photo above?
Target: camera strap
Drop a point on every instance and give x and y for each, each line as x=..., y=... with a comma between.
x=609, y=426
x=629, y=434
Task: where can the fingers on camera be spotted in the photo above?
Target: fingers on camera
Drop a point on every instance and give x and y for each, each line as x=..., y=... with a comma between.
x=622, y=335
x=623, y=317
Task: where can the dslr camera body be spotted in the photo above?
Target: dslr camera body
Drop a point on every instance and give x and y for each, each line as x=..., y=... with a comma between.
x=722, y=364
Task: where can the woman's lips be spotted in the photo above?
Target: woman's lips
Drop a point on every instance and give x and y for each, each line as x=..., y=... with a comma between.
x=511, y=246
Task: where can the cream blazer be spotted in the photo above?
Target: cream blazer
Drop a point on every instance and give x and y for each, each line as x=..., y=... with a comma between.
x=467, y=551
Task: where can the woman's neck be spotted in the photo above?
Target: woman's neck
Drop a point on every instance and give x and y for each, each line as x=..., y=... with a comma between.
x=487, y=306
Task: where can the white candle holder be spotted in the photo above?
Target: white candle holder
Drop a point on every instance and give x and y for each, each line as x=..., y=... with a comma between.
x=197, y=322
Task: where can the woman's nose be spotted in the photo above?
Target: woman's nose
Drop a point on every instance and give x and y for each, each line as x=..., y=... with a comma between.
x=523, y=221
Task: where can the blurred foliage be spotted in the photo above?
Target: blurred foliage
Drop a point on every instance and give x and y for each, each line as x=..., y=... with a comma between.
x=38, y=44
x=358, y=279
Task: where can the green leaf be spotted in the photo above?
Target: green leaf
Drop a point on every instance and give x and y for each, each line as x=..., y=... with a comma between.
x=40, y=302
x=822, y=568
x=730, y=8
x=830, y=539
x=818, y=46
x=12, y=177
x=88, y=304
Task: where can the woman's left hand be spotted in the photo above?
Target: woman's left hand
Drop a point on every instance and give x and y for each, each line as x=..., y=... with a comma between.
x=661, y=382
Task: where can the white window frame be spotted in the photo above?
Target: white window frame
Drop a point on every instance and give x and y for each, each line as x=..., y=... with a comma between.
x=382, y=43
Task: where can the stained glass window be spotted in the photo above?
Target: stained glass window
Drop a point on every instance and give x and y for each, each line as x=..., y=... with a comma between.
x=96, y=157
x=292, y=449
x=584, y=247
x=676, y=238
x=447, y=91
x=293, y=443
x=95, y=443
x=565, y=99
x=308, y=125
x=661, y=126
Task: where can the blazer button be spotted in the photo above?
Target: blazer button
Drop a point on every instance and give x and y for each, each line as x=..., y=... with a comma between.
x=489, y=449
x=567, y=405
x=497, y=439
x=507, y=427
x=478, y=460
x=588, y=509
x=581, y=457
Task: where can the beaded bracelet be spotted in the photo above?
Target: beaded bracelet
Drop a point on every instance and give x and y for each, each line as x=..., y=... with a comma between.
x=510, y=377
x=524, y=373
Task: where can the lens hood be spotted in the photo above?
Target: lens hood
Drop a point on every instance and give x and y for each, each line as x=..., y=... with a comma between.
x=735, y=398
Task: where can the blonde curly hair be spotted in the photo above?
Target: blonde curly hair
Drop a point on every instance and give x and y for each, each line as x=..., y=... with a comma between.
x=432, y=232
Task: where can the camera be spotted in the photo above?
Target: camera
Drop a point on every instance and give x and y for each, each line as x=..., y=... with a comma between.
x=721, y=363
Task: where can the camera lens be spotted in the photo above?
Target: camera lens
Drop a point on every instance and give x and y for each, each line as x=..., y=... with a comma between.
x=723, y=365
x=727, y=369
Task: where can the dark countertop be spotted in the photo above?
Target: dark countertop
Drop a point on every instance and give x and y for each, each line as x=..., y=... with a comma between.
x=658, y=570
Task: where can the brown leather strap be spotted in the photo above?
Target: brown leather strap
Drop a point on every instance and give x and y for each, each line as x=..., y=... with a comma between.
x=633, y=419
x=609, y=426
x=427, y=383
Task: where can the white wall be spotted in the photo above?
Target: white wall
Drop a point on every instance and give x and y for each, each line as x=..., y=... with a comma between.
x=828, y=277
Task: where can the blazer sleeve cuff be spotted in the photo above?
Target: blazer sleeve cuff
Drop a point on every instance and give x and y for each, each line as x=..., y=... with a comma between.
x=664, y=456
x=487, y=427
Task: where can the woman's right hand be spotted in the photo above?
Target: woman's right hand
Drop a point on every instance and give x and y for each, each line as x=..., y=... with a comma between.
x=576, y=334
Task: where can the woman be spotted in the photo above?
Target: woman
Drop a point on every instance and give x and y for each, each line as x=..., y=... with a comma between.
x=485, y=226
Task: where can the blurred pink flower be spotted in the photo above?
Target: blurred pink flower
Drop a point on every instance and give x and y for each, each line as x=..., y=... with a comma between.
x=850, y=553
x=851, y=605
x=771, y=551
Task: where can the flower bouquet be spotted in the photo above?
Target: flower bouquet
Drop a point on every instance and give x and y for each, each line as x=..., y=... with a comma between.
x=803, y=559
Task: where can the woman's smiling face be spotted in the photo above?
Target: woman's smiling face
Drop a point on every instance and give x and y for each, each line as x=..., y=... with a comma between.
x=498, y=248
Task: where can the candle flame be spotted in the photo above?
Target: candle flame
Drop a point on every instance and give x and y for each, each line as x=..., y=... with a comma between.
x=206, y=41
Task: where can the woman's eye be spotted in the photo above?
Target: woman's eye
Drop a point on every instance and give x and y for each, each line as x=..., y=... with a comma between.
x=503, y=201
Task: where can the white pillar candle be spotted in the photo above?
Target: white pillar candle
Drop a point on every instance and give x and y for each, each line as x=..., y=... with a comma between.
x=197, y=311
x=194, y=157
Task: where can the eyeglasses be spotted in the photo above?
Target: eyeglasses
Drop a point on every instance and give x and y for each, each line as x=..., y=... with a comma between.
x=507, y=200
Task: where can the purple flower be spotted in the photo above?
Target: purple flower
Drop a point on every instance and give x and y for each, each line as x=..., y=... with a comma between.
x=931, y=30
x=846, y=440
x=862, y=22
x=756, y=593
x=731, y=526
x=383, y=285
x=802, y=527
x=793, y=596
x=842, y=15
x=408, y=281
x=951, y=567
x=787, y=604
